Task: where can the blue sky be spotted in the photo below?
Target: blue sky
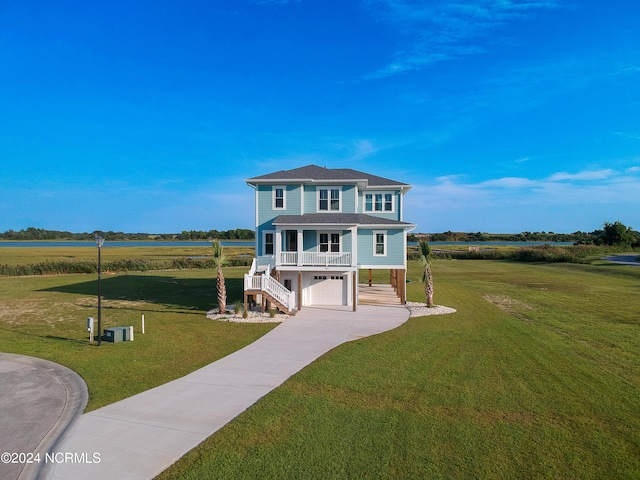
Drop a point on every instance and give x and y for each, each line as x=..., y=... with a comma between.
x=147, y=116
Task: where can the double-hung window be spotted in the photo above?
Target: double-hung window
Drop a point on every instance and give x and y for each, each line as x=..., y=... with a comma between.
x=329, y=242
x=379, y=243
x=279, y=198
x=329, y=199
x=269, y=238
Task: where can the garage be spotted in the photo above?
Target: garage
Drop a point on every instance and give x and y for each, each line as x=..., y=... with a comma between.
x=327, y=289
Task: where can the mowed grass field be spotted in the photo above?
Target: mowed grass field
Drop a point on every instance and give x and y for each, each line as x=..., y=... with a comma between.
x=536, y=376
x=45, y=316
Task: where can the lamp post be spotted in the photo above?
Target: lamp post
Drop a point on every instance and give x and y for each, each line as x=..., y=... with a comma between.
x=99, y=243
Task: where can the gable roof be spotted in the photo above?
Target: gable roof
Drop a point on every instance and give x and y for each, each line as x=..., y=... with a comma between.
x=315, y=174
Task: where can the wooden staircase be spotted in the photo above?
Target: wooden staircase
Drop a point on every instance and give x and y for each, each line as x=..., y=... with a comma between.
x=261, y=282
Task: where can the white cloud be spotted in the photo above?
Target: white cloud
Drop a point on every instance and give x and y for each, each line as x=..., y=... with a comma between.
x=586, y=175
x=363, y=149
x=561, y=202
x=632, y=135
x=507, y=182
x=438, y=31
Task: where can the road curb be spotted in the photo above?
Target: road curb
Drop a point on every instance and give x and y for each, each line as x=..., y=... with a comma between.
x=75, y=401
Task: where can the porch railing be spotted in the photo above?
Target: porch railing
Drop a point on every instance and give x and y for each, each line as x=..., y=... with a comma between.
x=316, y=259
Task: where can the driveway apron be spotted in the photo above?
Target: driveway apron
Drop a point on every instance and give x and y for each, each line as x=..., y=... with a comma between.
x=139, y=437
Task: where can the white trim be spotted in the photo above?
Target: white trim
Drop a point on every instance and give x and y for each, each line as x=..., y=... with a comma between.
x=384, y=243
x=274, y=189
x=366, y=266
x=302, y=199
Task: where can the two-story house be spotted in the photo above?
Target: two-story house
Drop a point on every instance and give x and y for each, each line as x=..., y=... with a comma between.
x=317, y=227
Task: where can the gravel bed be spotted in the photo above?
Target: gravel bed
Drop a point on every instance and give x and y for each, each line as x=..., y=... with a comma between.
x=255, y=316
x=421, y=309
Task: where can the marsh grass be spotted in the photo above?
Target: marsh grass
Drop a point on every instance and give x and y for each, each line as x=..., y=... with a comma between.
x=15, y=261
x=536, y=376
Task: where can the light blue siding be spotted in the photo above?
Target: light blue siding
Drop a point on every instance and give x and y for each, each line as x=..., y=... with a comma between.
x=349, y=199
x=395, y=248
x=309, y=199
x=266, y=213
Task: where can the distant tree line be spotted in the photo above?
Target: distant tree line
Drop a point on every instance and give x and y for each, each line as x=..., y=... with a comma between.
x=235, y=234
x=613, y=233
x=32, y=233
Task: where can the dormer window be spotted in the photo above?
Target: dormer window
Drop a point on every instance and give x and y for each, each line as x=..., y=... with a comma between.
x=328, y=199
x=279, y=198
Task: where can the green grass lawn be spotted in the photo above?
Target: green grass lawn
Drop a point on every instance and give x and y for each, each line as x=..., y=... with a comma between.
x=536, y=376
x=45, y=316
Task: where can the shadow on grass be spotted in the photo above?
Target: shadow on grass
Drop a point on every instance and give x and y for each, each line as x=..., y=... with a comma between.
x=65, y=339
x=183, y=293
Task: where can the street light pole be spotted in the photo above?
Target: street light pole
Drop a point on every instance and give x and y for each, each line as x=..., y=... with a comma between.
x=99, y=243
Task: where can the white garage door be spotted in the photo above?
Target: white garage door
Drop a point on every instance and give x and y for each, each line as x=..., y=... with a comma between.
x=328, y=290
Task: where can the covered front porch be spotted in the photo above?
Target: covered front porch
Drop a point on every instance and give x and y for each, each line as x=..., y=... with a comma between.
x=314, y=246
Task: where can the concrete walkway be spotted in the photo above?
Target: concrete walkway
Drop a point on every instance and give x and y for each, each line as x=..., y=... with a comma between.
x=139, y=437
x=38, y=402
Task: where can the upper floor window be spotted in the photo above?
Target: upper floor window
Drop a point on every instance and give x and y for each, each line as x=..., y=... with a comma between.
x=329, y=199
x=279, y=198
x=379, y=202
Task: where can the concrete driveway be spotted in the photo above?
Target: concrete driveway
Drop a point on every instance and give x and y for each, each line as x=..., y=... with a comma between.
x=139, y=437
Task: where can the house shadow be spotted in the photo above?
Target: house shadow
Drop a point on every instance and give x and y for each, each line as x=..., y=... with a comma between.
x=198, y=294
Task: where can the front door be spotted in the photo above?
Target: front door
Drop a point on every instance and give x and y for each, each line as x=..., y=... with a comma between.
x=291, y=241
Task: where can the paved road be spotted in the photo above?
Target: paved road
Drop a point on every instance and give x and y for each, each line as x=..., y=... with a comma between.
x=626, y=259
x=38, y=402
x=139, y=437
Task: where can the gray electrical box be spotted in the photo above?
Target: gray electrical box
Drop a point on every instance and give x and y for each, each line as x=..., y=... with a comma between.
x=115, y=334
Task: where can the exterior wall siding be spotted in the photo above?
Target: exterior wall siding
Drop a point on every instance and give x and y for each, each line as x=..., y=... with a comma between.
x=395, y=248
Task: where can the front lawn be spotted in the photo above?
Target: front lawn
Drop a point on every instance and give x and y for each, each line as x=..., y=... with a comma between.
x=45, y=316
x=536, y=376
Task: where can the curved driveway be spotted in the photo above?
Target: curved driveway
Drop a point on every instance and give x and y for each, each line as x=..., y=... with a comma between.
x=38, y=402
x=139, y=437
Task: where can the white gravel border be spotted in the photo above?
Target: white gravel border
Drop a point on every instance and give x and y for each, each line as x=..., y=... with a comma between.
x=255, y=316
x=420, y=309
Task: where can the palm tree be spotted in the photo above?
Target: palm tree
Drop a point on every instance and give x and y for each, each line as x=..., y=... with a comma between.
x=427, y=278
x=218, y=259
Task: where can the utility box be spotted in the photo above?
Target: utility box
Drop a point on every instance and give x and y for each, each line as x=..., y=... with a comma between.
x=115, y=334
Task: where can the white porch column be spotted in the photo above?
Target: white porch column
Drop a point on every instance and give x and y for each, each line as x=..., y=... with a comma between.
x=299, y=245
x=278, y=246
x=354, y=245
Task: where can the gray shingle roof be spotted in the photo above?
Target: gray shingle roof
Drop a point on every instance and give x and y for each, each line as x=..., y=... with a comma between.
x=336, y=219
x=313, y=173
